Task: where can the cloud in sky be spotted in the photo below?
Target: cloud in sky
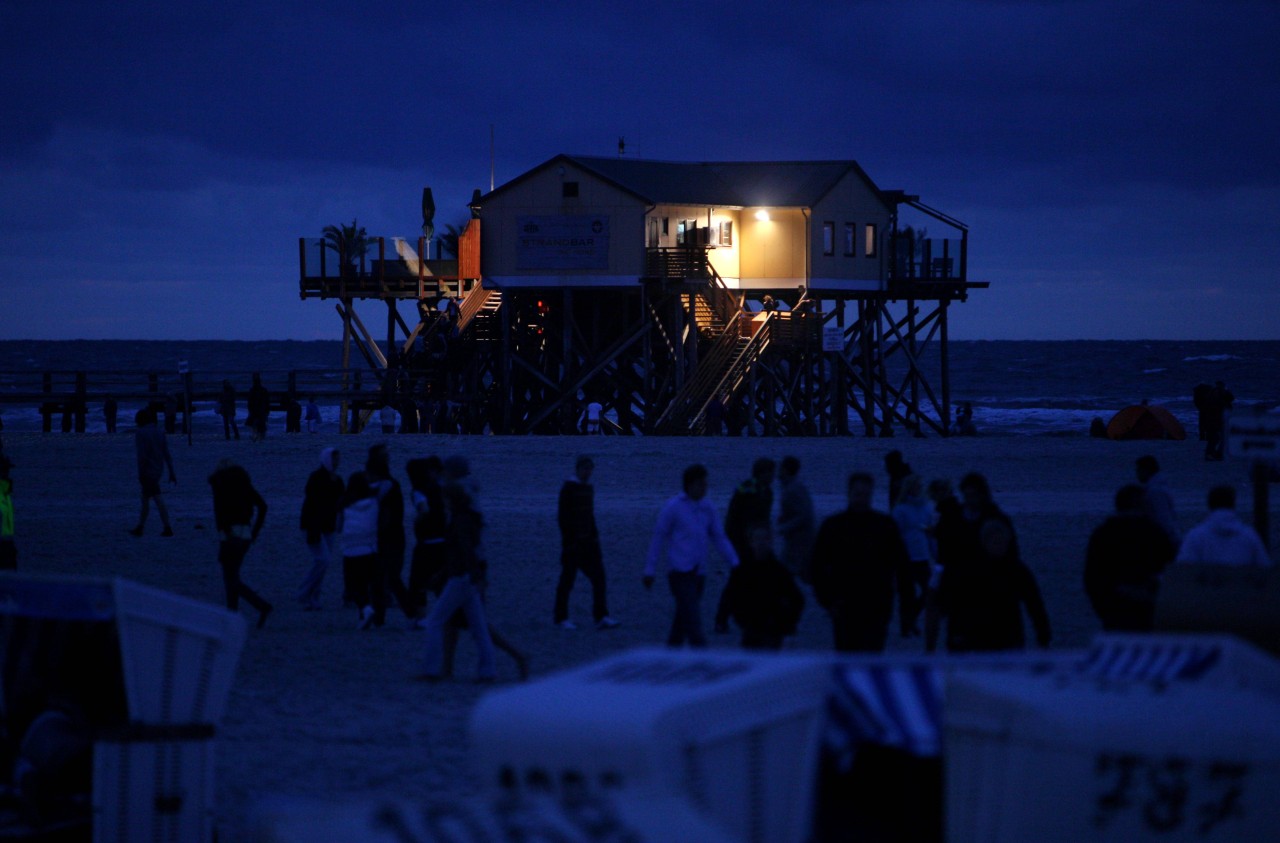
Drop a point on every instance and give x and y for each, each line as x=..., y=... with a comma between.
x=1114, y=160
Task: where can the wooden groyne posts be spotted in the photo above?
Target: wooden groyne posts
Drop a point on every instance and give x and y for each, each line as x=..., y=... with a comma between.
x=70, y=396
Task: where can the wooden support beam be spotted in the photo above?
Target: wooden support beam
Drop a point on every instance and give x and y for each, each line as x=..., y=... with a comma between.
x=533, y=370
x=588, y=373
x=839, y=406
x=882, y=373
x=913, y=363
x=372, y=347
x=888, y=411
x=409, y=340
x=344, y=310
x=392, y=315
x=367, y=347
x=945, y=359
x=914, y=370
x=504, y=365
x=399, y=321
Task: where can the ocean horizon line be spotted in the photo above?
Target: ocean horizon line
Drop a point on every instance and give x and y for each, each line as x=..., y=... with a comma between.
x=952, y=338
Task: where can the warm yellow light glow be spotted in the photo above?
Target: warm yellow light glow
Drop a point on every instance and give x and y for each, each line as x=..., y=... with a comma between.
x=762, y=215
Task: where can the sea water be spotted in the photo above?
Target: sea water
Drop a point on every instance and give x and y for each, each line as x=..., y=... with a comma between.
x=1016, y=387
x=1058, y=388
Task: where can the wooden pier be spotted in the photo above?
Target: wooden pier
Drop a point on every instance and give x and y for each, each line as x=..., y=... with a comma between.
x=65, y=399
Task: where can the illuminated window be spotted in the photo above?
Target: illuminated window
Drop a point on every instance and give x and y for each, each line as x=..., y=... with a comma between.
x=828, y=238
x=869, y=247
x=850, y=240
x=680, y=232
x=726, y=233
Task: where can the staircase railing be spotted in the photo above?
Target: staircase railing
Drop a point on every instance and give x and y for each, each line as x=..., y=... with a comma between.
x=690, y=402
x=721, y=372
x=695, y=390
x=736, y=372
x=717, y=294
x=662, y=330
x=684, y=262
x=474, y=302
x=739, y=367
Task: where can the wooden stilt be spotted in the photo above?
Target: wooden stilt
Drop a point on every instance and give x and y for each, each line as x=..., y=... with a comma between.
x=945, y=375
x=346, y=361
x=507, y=387
x=658, y=351
x=569, y=327
x=914, y=415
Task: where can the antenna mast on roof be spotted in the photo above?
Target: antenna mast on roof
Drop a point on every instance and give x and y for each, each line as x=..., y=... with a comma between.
x=622, y=146
x=491, y=166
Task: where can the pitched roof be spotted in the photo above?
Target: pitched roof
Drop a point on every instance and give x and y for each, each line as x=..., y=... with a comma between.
x=779, y=184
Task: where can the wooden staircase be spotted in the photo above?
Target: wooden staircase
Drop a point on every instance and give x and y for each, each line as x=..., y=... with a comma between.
x=480, y=311
x=478, y=302
x=710, y=322
x=722, y=372
x=739, y=339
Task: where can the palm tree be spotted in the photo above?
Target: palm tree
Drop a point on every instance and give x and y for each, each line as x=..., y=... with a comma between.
x=350, y=242
x=449, y=240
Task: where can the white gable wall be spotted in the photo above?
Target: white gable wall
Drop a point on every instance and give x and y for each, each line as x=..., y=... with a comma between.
x=507, y=260
x=534, y=235
x=850, y=202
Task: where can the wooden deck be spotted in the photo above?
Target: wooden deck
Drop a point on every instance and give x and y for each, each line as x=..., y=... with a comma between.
x=388, y=268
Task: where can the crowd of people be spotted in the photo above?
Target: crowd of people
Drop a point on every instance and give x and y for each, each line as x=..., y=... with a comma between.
x=364, y=516
x=947, y=566
x=955, y=561
x=945, y=563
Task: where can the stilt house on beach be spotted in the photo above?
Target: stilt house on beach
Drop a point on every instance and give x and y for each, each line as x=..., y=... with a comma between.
x=770, y=298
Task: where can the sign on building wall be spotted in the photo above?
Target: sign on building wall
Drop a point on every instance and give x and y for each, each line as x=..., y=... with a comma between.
x=562, y=242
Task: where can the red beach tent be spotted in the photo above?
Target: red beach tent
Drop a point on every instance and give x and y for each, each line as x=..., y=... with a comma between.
x=1145, y=422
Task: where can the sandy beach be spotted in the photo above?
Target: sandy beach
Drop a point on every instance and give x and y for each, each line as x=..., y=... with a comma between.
x=319, y=709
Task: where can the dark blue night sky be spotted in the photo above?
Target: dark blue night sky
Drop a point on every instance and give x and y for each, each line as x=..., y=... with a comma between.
x=1117, y=162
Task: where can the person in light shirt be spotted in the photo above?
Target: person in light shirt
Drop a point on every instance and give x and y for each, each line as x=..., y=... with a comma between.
x=687, y=528
x=594, y=411
x=1222, y=538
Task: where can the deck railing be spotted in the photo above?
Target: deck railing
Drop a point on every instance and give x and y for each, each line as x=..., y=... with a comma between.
x=386, y=267
x=930, y=259
x=678, y=262
x=795, y=329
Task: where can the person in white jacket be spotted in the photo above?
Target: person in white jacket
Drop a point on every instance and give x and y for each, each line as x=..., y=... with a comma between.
x=358, y=525
x=1222, y=538
x=687, y=529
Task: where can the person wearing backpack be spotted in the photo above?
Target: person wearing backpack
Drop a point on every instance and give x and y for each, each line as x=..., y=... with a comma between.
x=762, y=596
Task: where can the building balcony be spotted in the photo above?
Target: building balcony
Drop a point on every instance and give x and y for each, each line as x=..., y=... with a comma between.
x=387, y=267
x=679, y=263
x=931, y=261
